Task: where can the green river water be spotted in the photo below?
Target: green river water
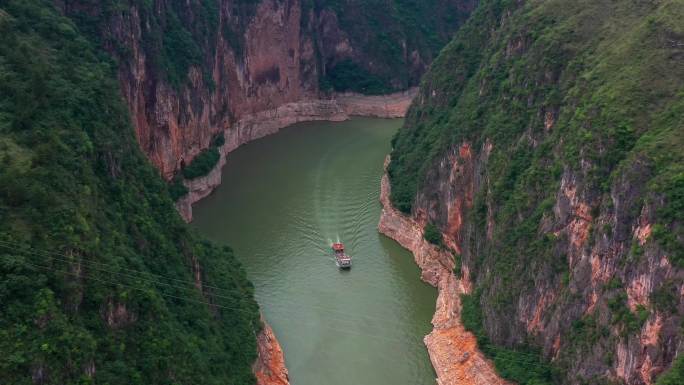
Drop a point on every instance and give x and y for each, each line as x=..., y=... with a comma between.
x=283, y=200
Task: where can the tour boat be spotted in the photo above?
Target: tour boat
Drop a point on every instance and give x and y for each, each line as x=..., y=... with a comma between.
x=343, y=260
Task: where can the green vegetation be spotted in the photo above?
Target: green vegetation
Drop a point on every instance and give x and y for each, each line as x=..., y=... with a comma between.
x=457, y=265
x=673, y=188
x=200, y=166
x=203, y=163
x=349, y=76
x=180, y=50
x=614, y=283
x=219, y=140
x=666, y=297
x=176, y=35
x=385, y=36
x=177, y=189
x=432, y=234
x=674, y=376
x=96, y=267
x=523, y=365
x=621, y=314
x=583, y=89
x=586, y=332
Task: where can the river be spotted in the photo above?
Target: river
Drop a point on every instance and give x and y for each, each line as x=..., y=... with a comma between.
x=283, y=200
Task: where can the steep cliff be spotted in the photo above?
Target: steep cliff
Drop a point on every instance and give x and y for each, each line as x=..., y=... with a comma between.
x=546, y=144
x=453, y=350
x=192, y=70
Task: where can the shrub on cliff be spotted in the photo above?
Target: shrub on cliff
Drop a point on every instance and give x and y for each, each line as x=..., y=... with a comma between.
x=523, y=365
x=219, y=140
x=177, y=189
x=432, y=234
x=202, y=164
x=675, y=376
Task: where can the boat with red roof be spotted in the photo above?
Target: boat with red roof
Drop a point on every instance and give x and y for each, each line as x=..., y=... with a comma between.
x=342, y=260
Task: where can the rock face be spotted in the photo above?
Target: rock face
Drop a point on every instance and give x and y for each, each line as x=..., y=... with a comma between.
x=190, y=70
x=448, y=200
x=453, y=350
x=269, y=367
x=558, y=181
x=174, y=123
x=597, y=277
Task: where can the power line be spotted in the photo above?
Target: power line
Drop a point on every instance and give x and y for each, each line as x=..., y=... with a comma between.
x=351, y=319
x=197, y=301
x=134, y=287
x=349, y=316
x=45, y=253
x=339, y=330
x=191, y=287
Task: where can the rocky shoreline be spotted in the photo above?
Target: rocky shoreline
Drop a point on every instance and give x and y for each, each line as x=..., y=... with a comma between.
x=269, y=368
x=453, y=350
x=338, y=108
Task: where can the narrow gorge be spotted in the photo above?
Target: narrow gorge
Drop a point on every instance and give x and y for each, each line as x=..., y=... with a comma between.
x=197, y=80
x=244, y=69
x=284, y=199
x=173, y=174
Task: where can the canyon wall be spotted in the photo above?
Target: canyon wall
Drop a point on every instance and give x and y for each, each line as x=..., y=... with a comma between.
x=102, y=282
x=190, y=71
x=193, y=71
x=453, y=350
x=557, y=181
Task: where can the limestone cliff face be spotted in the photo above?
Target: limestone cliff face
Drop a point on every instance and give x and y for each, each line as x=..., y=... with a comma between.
x=175, y=122
x=453, y=350
x=544, y=172
x=189, y=70
x=545, y=312
x=596, y=242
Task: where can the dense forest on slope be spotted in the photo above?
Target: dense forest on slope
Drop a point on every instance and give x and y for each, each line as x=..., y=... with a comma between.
x=100, y=280
x=554, y=130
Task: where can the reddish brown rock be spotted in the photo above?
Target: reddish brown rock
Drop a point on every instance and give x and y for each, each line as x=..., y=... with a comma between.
x=608, y=250
x=269, y=367
x=453, y=350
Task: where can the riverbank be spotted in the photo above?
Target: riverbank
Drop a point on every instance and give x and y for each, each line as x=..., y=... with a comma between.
x=363, y=326
x=453, y=350
x=269, y=367
x=339, y=107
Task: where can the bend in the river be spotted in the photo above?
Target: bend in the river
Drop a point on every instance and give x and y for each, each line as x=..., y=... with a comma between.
x=283, y=200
